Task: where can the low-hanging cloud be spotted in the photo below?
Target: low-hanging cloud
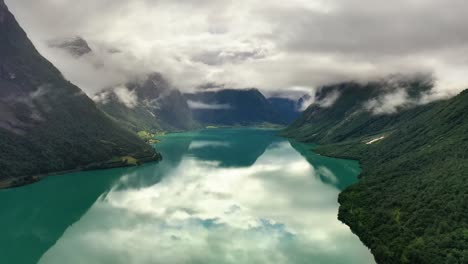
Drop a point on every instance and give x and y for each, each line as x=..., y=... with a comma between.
x=197, y=105
x=123, y=95
x=329, y=100
x=389, y=103
x=253, y=43
x=398, y=92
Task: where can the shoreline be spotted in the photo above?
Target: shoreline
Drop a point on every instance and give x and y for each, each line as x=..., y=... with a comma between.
x=17, y=182
x=340, y=215
x=317, y=149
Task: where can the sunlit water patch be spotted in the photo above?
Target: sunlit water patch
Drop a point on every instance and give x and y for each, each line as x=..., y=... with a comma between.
x=219, y=196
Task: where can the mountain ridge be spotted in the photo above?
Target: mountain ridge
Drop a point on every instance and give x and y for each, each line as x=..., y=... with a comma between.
x=348, y=115
x=231, y=107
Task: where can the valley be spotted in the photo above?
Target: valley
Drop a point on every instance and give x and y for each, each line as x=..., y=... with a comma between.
x=245, y=134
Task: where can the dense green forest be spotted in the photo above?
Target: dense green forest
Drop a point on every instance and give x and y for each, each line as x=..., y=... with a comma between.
x=48, y=124
x=410, y=205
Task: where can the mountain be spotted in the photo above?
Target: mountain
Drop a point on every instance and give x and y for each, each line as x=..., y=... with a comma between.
x=234, y=107
x=48, y=124
x=147, y=105
x=289, y=109
x=410, y=203
x=345, y=110
x=76, y=46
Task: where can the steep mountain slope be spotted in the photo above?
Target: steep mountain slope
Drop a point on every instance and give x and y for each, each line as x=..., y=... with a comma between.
x=289, y=109
x=410, y=204
x=46, y=123
x=234, y=107
x=149, y=105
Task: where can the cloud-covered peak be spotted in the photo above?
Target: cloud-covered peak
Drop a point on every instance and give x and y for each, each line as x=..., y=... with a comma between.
x=76, y=45
x=270, y=45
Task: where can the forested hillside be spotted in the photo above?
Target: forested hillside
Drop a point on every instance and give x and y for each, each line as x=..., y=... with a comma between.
x=48, y=124
x=340, y=111
x=410, y=204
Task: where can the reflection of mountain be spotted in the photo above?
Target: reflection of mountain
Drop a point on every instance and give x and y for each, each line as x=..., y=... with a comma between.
x=34, y=217
x=232, y=147
x=339, y=174
x=415, y=174
x=173, y=147
x=229, y=147
x=61, y=201
x=273, y=207
x=41, y=213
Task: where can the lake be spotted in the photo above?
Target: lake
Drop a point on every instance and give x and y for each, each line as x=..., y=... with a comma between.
x=219, y=196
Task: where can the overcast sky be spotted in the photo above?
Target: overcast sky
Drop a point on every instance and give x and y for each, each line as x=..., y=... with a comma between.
x=272, y=45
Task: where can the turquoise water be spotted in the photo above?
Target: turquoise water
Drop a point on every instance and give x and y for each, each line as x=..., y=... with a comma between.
x=219, y=196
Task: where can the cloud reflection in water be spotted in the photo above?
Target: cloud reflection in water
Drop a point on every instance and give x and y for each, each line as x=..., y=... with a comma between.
x=274, y=211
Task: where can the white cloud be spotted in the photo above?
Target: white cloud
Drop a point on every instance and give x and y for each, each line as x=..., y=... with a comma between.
x=253, y=43
x=329, y=100
x=102, y=97
x=400, y=92
x=389, y=103
x=198, y=144
x=126, y=97
x=204, y=106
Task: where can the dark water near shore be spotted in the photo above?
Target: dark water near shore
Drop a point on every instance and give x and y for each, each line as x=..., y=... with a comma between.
x=219, y=196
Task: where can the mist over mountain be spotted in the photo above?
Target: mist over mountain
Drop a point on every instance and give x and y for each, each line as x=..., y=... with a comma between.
x=48, y=124
x=149, y=104
x=350, y=109
x=240, y=107
x=101, y=84
x=76, y=46
x=271, y=46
